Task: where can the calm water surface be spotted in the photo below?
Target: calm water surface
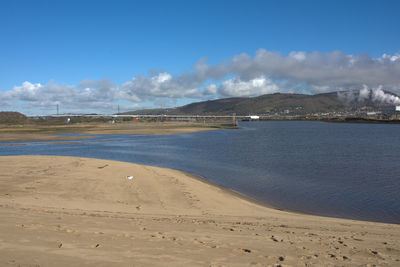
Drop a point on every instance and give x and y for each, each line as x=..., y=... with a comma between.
x=341, y=170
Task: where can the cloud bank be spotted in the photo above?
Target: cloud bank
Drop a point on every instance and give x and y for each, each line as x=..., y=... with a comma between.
x=240, y=76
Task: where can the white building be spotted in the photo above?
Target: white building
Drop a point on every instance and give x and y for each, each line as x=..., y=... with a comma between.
x=254, y=117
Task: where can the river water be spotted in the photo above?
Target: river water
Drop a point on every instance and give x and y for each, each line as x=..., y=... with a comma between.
x=332, y=169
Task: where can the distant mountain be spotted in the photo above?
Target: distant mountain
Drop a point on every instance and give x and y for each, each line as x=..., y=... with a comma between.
x=273, y=103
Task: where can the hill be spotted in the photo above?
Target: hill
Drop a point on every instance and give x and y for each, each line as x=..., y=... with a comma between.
x=271, y=104
x=11, y=117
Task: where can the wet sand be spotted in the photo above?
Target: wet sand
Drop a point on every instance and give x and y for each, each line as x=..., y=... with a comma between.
x=68, y=211
x=49, y=132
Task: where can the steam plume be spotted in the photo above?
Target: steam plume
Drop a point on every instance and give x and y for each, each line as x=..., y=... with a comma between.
x=377, y=95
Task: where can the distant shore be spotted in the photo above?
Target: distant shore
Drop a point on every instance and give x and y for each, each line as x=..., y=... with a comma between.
x=54, y=132
x=35, y=132
x=338, y=120
x=78, y=211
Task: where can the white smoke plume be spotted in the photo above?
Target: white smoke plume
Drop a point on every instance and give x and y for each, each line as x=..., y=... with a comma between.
x=380, y=96
x=377, y=95
x=364, y=94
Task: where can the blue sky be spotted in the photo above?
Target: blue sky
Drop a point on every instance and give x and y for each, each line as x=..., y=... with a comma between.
x=93, y=55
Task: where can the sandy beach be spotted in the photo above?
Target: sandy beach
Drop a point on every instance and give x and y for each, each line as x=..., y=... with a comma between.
x=67, y=211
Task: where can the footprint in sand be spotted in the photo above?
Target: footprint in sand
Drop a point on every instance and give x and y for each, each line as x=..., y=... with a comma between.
x=242, y=251
x=159, y=235
x=102, y=167
x=377, y=254
x=330, y=255
x=356, y=239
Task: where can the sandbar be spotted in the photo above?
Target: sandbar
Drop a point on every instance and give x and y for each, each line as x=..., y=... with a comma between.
x=70, y=211
x=37, y=132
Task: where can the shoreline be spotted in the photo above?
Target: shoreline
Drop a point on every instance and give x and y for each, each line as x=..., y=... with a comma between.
x=83, y=211
x=203, y=180
x=268, y=206
x=236, y=193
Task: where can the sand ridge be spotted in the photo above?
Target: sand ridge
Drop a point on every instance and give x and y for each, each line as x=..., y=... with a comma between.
x=77, y=211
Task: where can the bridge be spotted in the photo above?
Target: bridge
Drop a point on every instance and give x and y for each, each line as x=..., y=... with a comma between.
x=138, y=116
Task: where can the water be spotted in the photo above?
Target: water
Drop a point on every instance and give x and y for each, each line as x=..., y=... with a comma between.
x=341, y=170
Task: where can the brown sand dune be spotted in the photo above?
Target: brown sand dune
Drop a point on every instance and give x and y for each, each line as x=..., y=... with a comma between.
x=66, y=211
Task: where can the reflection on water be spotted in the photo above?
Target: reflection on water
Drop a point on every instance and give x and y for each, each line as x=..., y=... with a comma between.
x=343, y=170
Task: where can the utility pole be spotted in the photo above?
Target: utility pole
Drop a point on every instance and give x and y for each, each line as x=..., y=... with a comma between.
x=234, y=122
x=57, y=109
x=118, y=108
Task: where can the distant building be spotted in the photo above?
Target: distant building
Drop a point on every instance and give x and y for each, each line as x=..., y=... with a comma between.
x=254, y=117
x=251, y=118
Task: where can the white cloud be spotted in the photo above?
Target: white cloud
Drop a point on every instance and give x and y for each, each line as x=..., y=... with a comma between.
x=26, y=92
x=241, y=75
x=299, y=56
x=210, y=89
x=87, y=96
x=393, y=58
x=4, y=101
x=142, y=88
x=320, y=72
x=236, y=87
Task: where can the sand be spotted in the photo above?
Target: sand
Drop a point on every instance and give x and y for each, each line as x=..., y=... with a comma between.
x=32, y=132
x=67, y=211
